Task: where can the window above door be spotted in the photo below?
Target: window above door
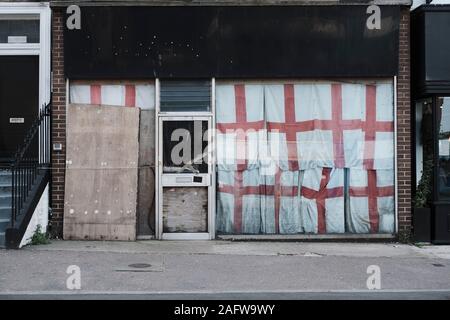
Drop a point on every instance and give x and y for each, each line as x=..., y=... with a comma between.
x=185, y=96
x=25, y=29
x=19, y=29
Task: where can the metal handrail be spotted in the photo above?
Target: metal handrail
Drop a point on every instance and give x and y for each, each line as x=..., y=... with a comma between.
x=32, y=156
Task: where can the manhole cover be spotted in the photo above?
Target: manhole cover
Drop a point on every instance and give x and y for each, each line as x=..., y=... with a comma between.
x=438, y=265
x=140, y=265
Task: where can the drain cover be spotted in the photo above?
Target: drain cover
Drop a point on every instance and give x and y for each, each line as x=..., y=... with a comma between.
x=140, y=265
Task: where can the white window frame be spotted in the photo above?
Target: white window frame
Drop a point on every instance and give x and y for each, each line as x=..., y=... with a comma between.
x=394, y=84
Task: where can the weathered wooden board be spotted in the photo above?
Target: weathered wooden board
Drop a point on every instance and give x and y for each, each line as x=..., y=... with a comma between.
x=147, y=138
x=146, y=189
x=185, y=209
x=101, y=173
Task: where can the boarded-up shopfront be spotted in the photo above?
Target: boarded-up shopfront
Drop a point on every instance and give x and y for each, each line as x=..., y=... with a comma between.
x=295, y=109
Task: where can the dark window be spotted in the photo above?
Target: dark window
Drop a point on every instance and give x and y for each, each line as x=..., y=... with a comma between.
x=184, y=146
x=443, y=110
x=185, y=96
x=19, y=31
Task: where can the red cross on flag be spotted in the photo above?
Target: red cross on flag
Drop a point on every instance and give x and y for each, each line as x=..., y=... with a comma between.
x=240, y=125
x=118, y=93
x=259, y=203
x=239, y=201
x=280, y=202
x=371, y=201
x=322, y=200
x=330, y=125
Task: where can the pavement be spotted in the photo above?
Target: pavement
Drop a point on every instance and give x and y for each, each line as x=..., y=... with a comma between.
x=224, y=270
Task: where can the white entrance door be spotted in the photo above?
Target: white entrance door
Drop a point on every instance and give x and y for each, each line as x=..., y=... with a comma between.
x=185, y=172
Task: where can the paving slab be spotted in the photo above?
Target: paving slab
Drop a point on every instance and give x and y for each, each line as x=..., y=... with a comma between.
x=244, y=248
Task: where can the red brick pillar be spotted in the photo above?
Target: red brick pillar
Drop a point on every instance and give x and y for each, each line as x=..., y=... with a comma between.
x=58, y=122
x=404, y=147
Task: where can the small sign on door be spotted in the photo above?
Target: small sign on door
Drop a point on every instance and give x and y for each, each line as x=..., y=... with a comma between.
x=16, y=120
x=17, y=39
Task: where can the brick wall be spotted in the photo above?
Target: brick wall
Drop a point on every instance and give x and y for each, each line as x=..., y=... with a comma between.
x=58, y=122
x=404, y=124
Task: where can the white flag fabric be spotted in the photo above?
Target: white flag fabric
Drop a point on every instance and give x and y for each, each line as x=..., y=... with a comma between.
x=240, y=124
x=129, y=94
x=371, y=201
x=322, y=201
x=289, y=154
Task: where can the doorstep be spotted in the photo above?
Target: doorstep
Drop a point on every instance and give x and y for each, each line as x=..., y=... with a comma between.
x=311, y=237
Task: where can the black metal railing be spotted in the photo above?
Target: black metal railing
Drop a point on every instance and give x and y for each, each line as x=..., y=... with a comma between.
x=31, y=159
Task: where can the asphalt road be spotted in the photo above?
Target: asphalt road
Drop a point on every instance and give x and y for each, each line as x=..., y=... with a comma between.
x=333, y=295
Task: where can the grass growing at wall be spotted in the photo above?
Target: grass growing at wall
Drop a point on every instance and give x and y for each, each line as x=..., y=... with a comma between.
x=405, y=237
x=423, y=193
x=39, y=237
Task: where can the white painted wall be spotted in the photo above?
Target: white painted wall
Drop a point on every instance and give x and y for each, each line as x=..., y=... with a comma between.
x=417, y=3
x=40, y=217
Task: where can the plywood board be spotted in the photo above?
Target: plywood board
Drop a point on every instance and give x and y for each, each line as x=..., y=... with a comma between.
x=101, y=173
x=185, y=209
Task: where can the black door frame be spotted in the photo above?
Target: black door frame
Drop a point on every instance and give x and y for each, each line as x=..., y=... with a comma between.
x=440, y=209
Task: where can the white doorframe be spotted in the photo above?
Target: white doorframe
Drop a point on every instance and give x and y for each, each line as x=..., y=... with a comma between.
x=394, y=84
x=174, y=116
x=41, y=11
x=212, y=157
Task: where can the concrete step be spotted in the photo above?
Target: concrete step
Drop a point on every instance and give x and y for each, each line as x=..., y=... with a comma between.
x=4, y=223
x=2, y=239
x=5, y=189
x=5, y=200
x=5, y=177
x=5, y=212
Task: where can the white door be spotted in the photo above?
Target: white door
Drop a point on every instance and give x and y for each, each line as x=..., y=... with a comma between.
x=185, y=179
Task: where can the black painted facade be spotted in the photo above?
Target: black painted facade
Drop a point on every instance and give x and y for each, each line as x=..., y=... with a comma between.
x=231, y=42
x=431, y=91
